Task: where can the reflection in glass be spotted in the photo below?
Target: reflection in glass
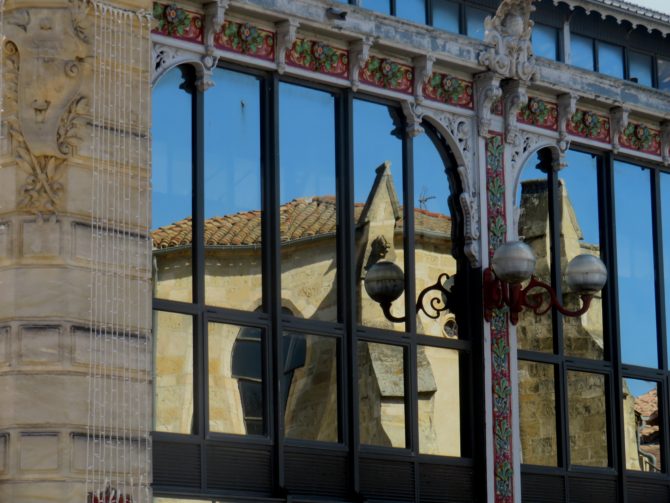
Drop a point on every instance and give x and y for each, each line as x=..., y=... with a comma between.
x=534, y=332
x=432, y=230
x=413, y=10
x=474, y=22
x=640, y=67
x=310, y=387
x=642, y=426
x=178, y=500
x=173, y=364
x=308, y=209
x=635, y=265
x=381, y=394
x=580, y=233
x=610, y=59
x=545, y=41
x=378, y=200
x=665, y=217
x=439, y=401
x=663, y=73
x=537, y=411
x=377, y=5
x=171, y=180
x=235, y=373
x=233, y=192
x=446, y=15
x=581, y=51
x=587, y=419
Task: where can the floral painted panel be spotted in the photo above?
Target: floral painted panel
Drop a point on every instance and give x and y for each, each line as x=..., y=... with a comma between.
x=388, y=74
x=590, y=125
x=540, y=113
x=450, y=90
x=641, y=137
x=245, y=38
x=173, y=21
x=500, y=357
x=319, y=57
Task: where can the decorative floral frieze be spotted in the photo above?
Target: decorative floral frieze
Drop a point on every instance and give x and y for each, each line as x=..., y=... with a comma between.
x=247, y=39
x=450, y=90
x=173, y=21
x=540, y=113
x=500, y=348
x=589, y=125
x=319, y=57
x=642, y=138
x=388, y=74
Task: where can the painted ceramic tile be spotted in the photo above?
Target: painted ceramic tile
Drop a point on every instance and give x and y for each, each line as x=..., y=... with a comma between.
x=590, y=125
x=641, y=137
x=319, y=57
x=387, y=74
x=179, y=23
x=245, y=38
x=450, y=90
x=540, y=113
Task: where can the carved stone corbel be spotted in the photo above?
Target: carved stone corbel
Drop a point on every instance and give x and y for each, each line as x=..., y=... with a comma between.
x=359, y=51
x=514, y=97
x=423, y=69
x=215, y=13
x=487, y=90
x=204, y=73
x=619, y=121
x=287, y=31
x=567, y=106
x=469, y=200
x=665, y=142
x=413, y=117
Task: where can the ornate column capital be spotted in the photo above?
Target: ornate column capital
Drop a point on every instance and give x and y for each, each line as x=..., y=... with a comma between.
x=487, y=90
x=514, y=97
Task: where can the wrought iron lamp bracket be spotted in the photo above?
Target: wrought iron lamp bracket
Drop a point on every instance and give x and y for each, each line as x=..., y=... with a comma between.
x=430, y=305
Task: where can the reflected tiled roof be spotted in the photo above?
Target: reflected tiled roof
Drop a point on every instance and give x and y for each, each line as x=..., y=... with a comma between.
x=301, y=218
x=647, y=405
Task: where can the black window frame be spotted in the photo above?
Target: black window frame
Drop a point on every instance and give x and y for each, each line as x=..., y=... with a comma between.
x=197, y=457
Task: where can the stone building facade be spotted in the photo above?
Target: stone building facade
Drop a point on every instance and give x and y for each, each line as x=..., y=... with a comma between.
x=266, y=371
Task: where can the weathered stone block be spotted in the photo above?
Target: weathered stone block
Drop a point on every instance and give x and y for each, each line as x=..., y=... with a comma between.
x=39, y=452
x=41, y=239
x=39, y=344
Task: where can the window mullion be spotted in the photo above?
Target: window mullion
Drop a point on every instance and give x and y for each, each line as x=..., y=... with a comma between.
x=657, y=226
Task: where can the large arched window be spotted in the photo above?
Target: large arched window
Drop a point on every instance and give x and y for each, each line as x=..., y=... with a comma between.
x=289, y=193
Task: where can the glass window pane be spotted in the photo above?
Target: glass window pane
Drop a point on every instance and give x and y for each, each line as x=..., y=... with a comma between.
x=663, y=74
x=439, y=401
x=173, y=364
x=587, y=419
x=642, y=426
x=432, y=235
x=580, y=234
x=413, y=10
x=446, y=15
x=308, y=211
x=235, y=377
x=640, y=67
x=381, y=394
x=610, y=59
x=581, y=51
x=665, y=217
x=534, y=332
x=233, y=192
x=537, y=414
x=378, y=206
x=635, y=262
x=474, y=22
x=310, y=387
x=172, y=206
x=377, y=5
x=545, y=41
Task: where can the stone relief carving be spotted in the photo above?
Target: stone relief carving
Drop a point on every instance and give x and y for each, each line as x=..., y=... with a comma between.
x=166, y=57
x=487, y=90
x=618, y=121
x=287, y=32
x=414, y=116
x=509, y=31
x=567, y=106
x=665, y=142
x=214, y=16
x=423, y=68
x=514, y=97
x=44, y=121
x=359, y=51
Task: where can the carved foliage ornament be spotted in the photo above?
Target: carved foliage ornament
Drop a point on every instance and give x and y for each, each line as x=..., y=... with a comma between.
x=46, y=60
x=509, y=31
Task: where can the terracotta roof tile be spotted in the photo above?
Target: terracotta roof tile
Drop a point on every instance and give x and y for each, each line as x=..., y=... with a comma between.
x=647, y=405
x=299, y=219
